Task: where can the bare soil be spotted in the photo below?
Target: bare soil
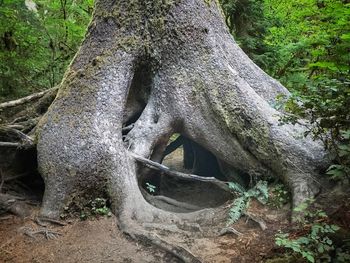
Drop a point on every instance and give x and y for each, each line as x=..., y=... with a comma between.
x=99, y=240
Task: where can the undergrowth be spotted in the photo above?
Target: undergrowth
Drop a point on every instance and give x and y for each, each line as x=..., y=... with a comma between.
x=241, y=203
x=86, y=209
x=313, y=237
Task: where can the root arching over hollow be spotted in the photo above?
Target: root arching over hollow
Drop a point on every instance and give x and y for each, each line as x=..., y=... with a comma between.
x=199, y=83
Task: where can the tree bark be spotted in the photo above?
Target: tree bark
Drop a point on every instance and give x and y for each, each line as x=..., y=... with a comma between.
x=199, y=83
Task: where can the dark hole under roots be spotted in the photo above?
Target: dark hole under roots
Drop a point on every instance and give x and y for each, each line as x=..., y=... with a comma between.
x=185, y=155
x=138, y=94
x=21, y=177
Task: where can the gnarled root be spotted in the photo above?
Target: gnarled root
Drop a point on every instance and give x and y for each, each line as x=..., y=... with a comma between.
x=145, y=236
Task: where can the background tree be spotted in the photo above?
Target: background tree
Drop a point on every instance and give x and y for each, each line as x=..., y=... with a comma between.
x=38, y=40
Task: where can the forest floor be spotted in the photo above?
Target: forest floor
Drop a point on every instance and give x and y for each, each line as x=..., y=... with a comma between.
x=99, y=240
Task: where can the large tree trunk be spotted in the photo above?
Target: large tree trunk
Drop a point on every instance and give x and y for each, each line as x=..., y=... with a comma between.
x=166, y=67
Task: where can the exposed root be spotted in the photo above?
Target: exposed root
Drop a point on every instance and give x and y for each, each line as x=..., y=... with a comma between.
x=256, y=219
x=14, y=138
x=128, y=128
x=229, y=230
x=10, y=144
x=151, y=199
x=148, y=237
x=169, y=228
x=184, y=176
x=47, y=233
x=39, y=221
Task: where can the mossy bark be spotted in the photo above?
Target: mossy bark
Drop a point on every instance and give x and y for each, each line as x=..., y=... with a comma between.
x=201, y=85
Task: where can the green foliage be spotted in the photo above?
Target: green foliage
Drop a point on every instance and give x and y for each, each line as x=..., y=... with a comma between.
x=246, y=21
x=96, y=207
x=241, y=203
x=313, y=241
x=37, y=42
x=279, y=196
x=310, y=46
x=150, y=187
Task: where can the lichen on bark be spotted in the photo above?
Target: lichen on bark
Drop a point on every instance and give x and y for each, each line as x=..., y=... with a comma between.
x=201, y=85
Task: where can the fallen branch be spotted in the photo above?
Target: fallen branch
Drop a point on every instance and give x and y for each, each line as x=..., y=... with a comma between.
x=184, y=176
x=24, y=100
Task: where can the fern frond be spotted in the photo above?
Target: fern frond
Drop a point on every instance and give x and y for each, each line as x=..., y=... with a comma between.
x=237, y=209
x=263, y=189
x=235, y=187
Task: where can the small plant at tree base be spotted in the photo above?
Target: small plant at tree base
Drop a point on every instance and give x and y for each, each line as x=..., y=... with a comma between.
x=99, y=207
x=279, y=196
x=151, y=188
x=241, y=203
x=96, y=207
x=312, y=240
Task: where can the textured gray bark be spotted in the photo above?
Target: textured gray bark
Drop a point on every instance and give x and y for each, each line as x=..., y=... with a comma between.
x=199, y=83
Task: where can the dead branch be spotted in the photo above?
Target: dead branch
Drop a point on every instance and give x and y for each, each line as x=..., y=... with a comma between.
x=29, y=98
x=184, y=176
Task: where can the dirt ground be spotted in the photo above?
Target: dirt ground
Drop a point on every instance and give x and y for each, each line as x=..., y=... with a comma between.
x=99, y=240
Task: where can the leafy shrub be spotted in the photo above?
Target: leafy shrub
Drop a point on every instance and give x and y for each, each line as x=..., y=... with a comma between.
x=312, y=241
x=278, y=196
x=86, y=209
x=38, y=42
